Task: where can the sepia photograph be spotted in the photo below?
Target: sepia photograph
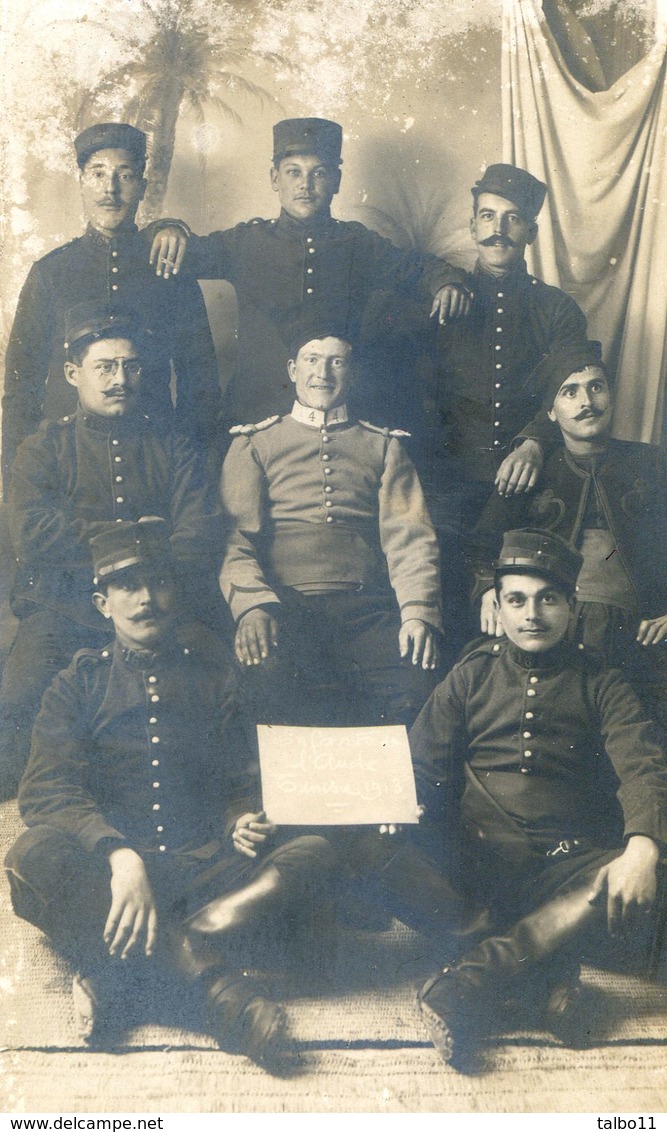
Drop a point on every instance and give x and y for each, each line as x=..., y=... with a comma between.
x=333, y=558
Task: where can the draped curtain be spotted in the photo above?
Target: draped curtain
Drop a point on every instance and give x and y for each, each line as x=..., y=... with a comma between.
x=603, y=228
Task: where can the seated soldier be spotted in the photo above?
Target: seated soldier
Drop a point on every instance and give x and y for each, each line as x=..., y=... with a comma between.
x=331, y=565
x=547, y=765
x=607, y=498
x=140, y=849
x=79, y=476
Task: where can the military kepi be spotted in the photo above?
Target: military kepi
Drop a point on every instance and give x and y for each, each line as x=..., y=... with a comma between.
x=127, y=545
x=110, y=135
x=532, y=550
x=93, y=319
x=514, y=184
x=318, y=136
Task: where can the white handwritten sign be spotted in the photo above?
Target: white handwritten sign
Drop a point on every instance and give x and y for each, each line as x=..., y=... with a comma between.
x=336, y=775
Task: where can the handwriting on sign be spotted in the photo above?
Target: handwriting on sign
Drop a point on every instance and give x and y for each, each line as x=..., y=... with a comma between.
x=337, y=775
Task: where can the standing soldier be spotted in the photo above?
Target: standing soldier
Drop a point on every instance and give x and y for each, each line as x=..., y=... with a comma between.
x=108, y=264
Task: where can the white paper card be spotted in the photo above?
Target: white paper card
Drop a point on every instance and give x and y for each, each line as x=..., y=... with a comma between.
x=337, y=775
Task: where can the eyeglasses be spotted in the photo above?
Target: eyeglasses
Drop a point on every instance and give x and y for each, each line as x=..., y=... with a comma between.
x=110, y=366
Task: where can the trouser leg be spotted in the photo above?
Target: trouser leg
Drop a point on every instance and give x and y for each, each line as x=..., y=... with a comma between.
x=62, y=890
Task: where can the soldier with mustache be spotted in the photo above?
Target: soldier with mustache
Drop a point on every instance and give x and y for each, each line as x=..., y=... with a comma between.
x=486, y=390
x=608, y=498
x=108, y=263
x=75, y=478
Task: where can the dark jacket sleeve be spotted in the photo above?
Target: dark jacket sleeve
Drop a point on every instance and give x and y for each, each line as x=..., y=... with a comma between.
x=41, y=528
x=195, y=512
x=198, y=392
x=413, y=273
x=637, y=754
x=27, y=366
x=438, y=743
x=54, y=789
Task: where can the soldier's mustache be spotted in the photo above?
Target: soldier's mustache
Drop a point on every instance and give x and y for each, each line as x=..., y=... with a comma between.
x=589, y=413
x=498, y=241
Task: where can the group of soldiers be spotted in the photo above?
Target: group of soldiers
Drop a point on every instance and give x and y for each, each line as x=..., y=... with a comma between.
x=184, y=574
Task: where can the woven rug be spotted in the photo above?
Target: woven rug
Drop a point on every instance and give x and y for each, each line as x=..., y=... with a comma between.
x=365, y=1000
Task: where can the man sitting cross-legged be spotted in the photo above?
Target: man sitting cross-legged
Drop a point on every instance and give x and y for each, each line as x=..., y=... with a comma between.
x=141, y=847
x=548, y=766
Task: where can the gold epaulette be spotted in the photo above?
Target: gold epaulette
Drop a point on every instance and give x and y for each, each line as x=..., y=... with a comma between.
x=398, y=433
x=250, y=429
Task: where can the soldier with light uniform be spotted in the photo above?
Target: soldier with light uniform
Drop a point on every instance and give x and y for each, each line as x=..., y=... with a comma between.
x=331, y=565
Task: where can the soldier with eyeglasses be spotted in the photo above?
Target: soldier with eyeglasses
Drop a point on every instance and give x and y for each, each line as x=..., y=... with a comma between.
x=76, y=477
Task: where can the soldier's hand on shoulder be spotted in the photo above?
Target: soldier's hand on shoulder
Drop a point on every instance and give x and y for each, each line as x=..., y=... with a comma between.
x=418, y=643
x=251, y=832
x=451, y=302
x=489, y=621
x=256, y=636
x=132, y=921
x=519, y=471
x=652, y=631
x=168, y=250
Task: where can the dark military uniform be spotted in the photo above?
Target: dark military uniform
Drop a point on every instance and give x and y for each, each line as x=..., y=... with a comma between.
x=327, y=518
x=139, y=749
x=73, y=479
x=114, y=271
x=546, y=762
x=621, y=496
x=281, y=266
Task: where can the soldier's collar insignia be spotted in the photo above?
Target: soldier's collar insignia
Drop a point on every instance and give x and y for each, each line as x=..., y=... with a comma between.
x=318, y=418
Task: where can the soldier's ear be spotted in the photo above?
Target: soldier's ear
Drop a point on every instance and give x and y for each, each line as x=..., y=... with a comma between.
x=71, y=373
x=273, y=174
x=291, y=369
x=100, y=602
x=532, y=232
x=551, y=415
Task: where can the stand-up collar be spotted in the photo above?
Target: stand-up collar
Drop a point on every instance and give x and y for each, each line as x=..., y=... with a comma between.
x=101, y=241
x=516, y=275
x=318, y=418
x=557, y=657
x=311, y=227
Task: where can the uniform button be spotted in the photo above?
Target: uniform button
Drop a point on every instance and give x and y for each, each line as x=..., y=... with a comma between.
x=496, y=444
x=309, y=271
x=496, y=424
x=525, y=770
x=155, y=699
x=328, y=503
x=159, y=829
x=581, y=646
x=311, y=251
x=156, y=785
x=152, y=679
x=156, y=805
x=496, y=648
x=501, y=310
x=186, y=652
x=114, y=286
x=329, y=518
x=115, y=270
x=115, y=255
x=323, y=429
x=325, y=439
x=118, y=459
x=155, y=762
x=531, y=692
x=325, y=456
x=155, y=738
x=115, y=443
x=499, y=365
x=327, y=471
x=527, y=735
x=327, y=488
x=497, y=405
x=499, y=330
x=162, y=848
x=309, y=290
x=119, y=499
x=497, y=385
x=153, y=719
x=309, y=239
x=499, y=347
x=533, y=679
x=530, y=715
x=500, y=294
x=527, y=754
x=119, y=479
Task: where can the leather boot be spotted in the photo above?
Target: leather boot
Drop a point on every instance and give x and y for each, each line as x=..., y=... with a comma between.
x=241, y=909
x=243, y=1019
x=458, y=1003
